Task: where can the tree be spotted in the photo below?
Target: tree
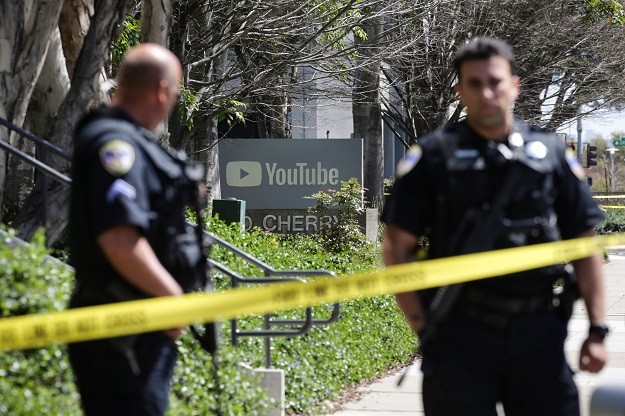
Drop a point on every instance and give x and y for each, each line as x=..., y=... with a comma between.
x=566, y=57
x=84, y=90
x=25, y=30
x=249, y=59
x=367, y=109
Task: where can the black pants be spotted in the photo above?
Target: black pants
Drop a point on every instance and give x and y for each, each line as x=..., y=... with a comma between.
x=470, y=366
x=107, y=384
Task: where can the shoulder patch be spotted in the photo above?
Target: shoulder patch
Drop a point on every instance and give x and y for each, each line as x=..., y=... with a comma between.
x=576, y=168
x=117, y=157
x=536, y=150
x=413, y=155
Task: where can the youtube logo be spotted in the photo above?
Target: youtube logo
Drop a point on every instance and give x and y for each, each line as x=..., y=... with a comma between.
x=242, y=174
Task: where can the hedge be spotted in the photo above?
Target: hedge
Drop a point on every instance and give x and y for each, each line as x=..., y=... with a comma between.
x=370, y=336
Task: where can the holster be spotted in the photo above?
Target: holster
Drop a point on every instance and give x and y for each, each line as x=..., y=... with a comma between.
x=566, y=295
x=124, y=345
x=116, y=291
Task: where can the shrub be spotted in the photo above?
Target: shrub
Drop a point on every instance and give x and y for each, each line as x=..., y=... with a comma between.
x=346, y=203
x=369, y=337
x=37, y=381
x=614, y=222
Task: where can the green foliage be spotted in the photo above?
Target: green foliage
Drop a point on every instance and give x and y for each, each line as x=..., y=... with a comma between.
x=604, y=10
x=369, y=337
x=196, y=390
x=39, y=381
x=345, y=27
x=346, y=205
x=231, y=110
x=614, y=222
x=131, y=36
x=188, y=105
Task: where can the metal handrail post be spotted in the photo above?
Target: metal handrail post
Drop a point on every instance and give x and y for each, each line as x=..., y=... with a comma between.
x=267, y=343
x=44, y=193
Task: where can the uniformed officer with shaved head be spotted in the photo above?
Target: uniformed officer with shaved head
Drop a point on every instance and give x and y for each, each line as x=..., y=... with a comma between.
x=128, y=235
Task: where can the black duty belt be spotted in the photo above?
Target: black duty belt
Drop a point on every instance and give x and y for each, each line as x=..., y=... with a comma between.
x=497, y=311
x=510, y=305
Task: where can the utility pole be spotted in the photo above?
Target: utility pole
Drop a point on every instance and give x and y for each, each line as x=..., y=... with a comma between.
x=579, y=135
x=612, y=150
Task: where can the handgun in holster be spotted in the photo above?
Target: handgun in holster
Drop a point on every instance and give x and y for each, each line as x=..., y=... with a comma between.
x=125, y=345
x=566, y=295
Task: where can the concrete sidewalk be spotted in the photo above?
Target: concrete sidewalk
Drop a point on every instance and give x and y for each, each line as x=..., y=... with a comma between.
x=384, y=398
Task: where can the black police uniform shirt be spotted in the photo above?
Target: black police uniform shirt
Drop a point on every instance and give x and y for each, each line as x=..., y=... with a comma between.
x=414, y=204
x=123, y=177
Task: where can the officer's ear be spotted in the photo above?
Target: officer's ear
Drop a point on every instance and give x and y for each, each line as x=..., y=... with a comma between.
x=162, y=91
x=516, y=82
x=456, y=90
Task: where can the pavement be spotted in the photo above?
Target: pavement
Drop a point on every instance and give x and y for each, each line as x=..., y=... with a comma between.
x=385, y=398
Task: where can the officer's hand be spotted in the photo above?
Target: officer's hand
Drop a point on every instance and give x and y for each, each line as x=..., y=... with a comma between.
x=417, y=323
x=593, y=355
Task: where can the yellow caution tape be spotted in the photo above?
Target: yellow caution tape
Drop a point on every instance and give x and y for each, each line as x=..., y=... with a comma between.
x=612, y=206
x=153, y=314
x=608, y=196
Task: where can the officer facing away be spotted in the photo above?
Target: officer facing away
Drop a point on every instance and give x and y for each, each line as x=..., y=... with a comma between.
x=492, y=182
x=128, y=235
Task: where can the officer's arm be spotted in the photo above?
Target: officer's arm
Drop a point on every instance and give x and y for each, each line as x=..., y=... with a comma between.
x=399, y=247
x=589, y=273
x=132, y=256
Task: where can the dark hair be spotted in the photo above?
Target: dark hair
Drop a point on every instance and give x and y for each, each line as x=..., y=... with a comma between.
x=482, y=48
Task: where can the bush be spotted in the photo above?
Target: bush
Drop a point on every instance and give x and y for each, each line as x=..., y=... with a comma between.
x=37, y=381
x=614, y=222
x=346, y=234
x=370, y=336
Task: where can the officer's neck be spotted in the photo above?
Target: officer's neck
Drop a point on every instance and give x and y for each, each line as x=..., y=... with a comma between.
x=140, y=112
x=498, y=133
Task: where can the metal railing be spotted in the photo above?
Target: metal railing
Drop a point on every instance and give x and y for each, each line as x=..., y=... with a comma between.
x=43, y=147
x=270, y=275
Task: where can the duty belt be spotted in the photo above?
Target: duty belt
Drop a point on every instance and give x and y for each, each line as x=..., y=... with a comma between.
x=511, y=305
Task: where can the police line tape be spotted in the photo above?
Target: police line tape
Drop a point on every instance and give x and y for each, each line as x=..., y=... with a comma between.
x=612, y=206
x=111, y=320
x=608, y=196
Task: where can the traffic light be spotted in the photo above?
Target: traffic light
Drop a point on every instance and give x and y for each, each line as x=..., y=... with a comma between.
x=591, y=155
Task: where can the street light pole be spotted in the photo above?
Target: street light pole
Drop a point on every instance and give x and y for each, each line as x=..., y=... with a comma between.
x=579, y=135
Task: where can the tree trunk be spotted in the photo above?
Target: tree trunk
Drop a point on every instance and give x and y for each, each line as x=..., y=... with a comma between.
x=203, y=148
x=74, y=24
x=50, y=90
x=155, y=21
x=201, y=142
x=367, y=114
x=25, y=29
x=105, y=26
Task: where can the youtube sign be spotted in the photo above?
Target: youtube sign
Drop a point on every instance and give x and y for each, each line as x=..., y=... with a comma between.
x=283, y=173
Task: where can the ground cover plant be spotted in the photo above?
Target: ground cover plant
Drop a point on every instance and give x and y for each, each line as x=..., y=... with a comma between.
x=369, y=337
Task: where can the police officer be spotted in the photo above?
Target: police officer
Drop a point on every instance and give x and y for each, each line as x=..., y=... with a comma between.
x=492, y=182
x=128, y=235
